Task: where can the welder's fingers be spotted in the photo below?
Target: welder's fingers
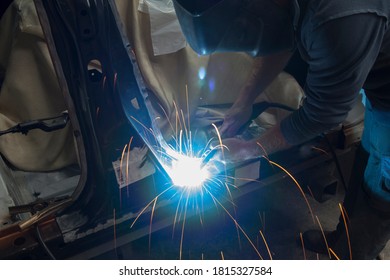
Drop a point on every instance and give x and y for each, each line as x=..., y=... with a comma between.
x=234, y=120
x=228, y=129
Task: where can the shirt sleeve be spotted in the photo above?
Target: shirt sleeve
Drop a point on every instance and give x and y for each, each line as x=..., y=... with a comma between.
x=341, y=53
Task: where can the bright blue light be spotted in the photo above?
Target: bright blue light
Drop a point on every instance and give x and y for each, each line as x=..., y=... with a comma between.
x=212, y=85
x=202, y=73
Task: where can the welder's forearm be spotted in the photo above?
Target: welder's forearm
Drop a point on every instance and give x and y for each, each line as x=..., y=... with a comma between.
x=272, y=141
x=264, y=71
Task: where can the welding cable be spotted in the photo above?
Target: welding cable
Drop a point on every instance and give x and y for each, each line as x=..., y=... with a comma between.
x=336, y=160
x=42, y=243
x=261, y=107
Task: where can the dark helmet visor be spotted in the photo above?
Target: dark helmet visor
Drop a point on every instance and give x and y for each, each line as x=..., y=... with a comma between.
x=258, y=27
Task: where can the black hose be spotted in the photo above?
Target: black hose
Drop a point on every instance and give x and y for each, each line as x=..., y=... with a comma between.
x=261, y=107
x=336, y=161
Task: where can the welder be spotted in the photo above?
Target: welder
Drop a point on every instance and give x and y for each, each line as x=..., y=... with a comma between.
x=347, y=47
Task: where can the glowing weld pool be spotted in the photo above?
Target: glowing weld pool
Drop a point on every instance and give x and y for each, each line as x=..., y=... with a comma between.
x=186, y=171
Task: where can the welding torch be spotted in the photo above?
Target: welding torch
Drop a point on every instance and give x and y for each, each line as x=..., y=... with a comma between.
x=257, y=110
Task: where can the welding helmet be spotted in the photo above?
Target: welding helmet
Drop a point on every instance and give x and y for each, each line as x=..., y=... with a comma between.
x=258, y=27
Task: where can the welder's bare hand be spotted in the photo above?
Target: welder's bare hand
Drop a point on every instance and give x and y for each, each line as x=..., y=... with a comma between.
x=234, y=119
x=234, y=150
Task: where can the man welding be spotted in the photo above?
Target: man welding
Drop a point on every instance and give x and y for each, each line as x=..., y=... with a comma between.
x=346, y=44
